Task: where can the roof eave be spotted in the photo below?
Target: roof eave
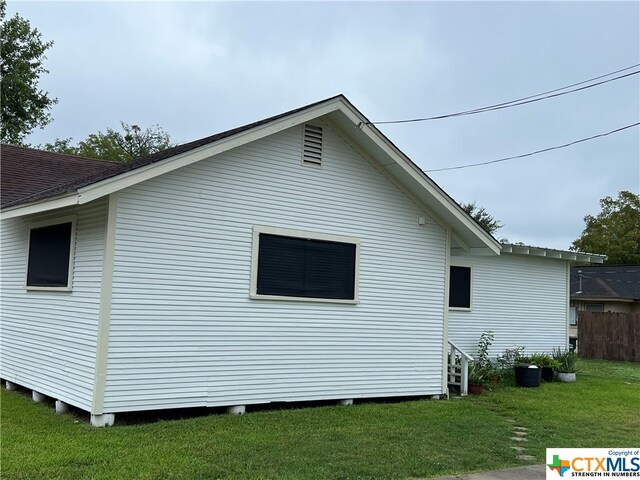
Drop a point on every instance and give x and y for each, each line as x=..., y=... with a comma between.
x=404, y=170
x=460, y=222
x=597, y=298
x=552, y=253
x=52, y=203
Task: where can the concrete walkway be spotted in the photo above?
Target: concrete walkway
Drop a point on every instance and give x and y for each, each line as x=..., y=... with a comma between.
x=530, y=472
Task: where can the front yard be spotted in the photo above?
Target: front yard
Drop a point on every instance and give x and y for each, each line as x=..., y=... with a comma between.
x=420, y=438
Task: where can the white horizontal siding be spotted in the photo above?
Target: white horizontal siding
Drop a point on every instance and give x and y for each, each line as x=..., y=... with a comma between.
x=522, y=299
x=48, y=339
x=184, y=331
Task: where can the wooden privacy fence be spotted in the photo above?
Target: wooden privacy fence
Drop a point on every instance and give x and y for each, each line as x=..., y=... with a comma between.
x=609, y=336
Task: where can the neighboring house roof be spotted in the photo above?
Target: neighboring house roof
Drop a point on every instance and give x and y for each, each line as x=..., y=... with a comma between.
x=614, y=282
x=29, y=174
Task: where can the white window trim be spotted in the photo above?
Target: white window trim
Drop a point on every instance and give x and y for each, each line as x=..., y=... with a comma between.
x=458, y=263
x=285, y=232
x=73, y=219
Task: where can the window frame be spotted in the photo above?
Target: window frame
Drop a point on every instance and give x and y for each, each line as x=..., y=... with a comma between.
x=73, y=219
x=594, y=304
x=285, y=232
x=470, y=267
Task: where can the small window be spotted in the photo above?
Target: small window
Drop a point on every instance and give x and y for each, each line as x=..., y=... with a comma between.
x=312, y=145
x=573, y=316
x=460, y=287
x=296, y=265
x=50, y=255
x=594, y=307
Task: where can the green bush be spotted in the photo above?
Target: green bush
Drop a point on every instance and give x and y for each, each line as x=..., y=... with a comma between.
x=482, y=369
x=544, y=360
x=566, y=360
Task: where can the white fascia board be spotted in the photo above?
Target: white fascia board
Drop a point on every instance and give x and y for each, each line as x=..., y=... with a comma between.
x=127, y=179
x=591, y=258
x=37, y=207
x=553, y=253
x=420, y=177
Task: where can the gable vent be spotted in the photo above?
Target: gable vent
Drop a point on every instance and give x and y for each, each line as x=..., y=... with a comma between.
x=312, y=148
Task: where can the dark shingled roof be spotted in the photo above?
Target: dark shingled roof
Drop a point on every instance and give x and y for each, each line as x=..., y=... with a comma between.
x=27, y=172
x=30, y=175
x=607, y=281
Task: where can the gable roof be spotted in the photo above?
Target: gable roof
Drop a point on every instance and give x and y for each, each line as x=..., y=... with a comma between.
x=34, y=175
x=616, y=282
x=336, y=111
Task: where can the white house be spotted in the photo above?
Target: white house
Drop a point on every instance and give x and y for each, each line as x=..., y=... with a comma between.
x=301, y=257
x=520, y=295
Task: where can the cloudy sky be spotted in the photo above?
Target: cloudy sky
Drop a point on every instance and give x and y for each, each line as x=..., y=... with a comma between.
x=199, y=68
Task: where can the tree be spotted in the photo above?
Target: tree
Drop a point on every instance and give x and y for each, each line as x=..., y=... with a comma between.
x=121, y=146
x=22, y=52
x=615, y=231
x=483, y=217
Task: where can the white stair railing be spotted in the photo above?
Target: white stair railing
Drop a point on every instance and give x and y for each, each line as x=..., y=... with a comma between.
x=459, y=368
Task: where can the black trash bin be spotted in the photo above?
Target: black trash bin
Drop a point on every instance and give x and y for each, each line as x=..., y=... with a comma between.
x=528, y=375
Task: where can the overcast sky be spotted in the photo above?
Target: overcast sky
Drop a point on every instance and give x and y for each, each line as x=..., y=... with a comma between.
x=200, y=68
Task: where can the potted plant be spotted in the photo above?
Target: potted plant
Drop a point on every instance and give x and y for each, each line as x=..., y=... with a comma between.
x=527, y=373
x=481, y=370
x=478, y=378
x=547, y=363
x=567, y=364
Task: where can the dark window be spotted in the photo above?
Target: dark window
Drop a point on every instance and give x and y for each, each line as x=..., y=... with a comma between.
x=300, y=267
x=49, y=249
x=460, y=287
x=594, y=307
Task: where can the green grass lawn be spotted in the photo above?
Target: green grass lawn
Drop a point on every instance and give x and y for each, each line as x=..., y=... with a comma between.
x=420, y=438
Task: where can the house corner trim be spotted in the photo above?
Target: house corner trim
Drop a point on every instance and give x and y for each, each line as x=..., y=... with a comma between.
x=104, y=316
x=445, y=328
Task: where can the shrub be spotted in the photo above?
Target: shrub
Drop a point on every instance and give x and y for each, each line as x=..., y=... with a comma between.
x=544, y=360
x=505, y=363
x=566, y=360
x=482, y=369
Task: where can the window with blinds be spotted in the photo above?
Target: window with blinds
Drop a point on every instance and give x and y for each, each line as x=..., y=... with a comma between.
x=304, y=267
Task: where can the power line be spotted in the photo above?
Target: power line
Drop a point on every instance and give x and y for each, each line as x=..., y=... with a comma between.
x=520, y=101
x=534, y=153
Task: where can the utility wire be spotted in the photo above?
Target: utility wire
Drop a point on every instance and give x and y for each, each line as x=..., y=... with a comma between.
x=534, y=153
x=519, y=101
